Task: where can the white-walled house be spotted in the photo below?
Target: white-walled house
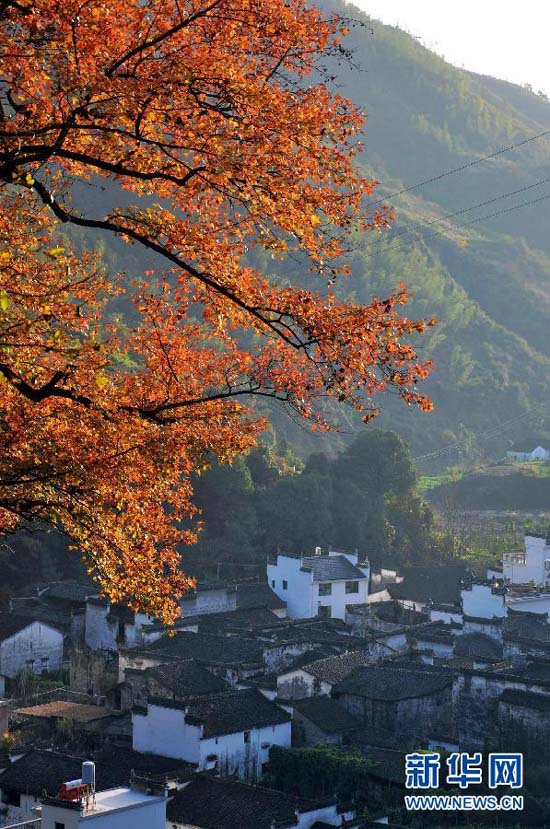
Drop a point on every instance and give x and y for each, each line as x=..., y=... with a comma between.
x=232, y=731
x=319, y=585
x=528, y=452
x=120, y=808
x=28, y=644
x=491, y=602
x=531, y=565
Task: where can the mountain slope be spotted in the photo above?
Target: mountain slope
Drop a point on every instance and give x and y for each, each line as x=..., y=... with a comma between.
x=487, y=281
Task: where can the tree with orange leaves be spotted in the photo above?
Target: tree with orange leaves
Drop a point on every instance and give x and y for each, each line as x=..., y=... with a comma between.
x=216, y=135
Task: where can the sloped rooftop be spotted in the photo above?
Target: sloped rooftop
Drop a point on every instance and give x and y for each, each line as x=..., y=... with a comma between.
x=331, y=568
x=216, y=803
x=327, y=714
x=431, y=583
x=230, y=712
x=478, y=645
x=391, y=684
x=209, y=649
x=334, y=669
x=252, y=596
x=187, y=678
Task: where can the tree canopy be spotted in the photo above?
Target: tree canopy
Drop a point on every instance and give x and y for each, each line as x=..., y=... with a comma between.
x=211, y=131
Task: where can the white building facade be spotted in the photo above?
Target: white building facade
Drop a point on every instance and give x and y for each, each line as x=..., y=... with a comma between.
x=177, y=730
x=320, y=585
x=532, y=565
x=32, y=645
x=120, y=808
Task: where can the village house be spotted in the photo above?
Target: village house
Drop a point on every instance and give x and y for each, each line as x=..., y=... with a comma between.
x=533, y=449
x=399, y=698
x=319, y=677
x=221, y=597
x=422, y=586
x=42, y=721
x=483, y=600
x=319, y=585
x=524, y=723
x=133, y=807
x=38, y=771
x=179, y=680
x=212, y=803
x=25, y=643
x=477, y=692
x=231, y=731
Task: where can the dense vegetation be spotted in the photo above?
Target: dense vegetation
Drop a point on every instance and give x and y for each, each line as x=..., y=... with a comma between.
x=366, y=498
x=324, y=771
x=523, y=488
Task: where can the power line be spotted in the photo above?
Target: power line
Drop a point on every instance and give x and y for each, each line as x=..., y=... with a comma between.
x=420, y=226
x=461, y=168
x=492, y=432
x=474, y=221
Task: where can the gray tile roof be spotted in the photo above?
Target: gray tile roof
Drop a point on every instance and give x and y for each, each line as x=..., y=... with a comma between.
x=431, y=583
x=331, y=568
x=230, y=712
x=251, y=596
x=39, y=770
x=187, y=678
x=478, y=645
x=69, y=591
x=326, y=714
x=216, y=803
x=391, y=684
x=530, y=628
x=36, y=610
x=209, y=649
x=334, y=669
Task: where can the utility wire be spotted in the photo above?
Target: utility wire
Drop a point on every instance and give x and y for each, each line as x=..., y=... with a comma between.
x=420, y=226
x=495, y=430
x=472, y=221
x=460, y=169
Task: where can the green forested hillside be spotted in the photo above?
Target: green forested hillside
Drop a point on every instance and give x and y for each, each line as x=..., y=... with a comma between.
x=487, y=282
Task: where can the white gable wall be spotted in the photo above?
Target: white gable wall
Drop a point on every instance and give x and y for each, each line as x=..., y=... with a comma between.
x=164, y=731
x=37, y=646
x=480, y=601
x=298, y=594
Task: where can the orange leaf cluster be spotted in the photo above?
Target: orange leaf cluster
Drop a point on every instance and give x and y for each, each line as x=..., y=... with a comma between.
x=205, y=122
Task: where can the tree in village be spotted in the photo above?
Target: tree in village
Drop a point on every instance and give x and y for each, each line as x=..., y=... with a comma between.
x=208, y=126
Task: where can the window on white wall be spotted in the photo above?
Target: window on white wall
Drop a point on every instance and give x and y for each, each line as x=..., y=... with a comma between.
x=325, y=611
x=285, y=584
x=325, y=589
x=352, y=587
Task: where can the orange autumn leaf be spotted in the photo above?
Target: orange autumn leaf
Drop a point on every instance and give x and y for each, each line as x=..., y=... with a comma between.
x=207, y=115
